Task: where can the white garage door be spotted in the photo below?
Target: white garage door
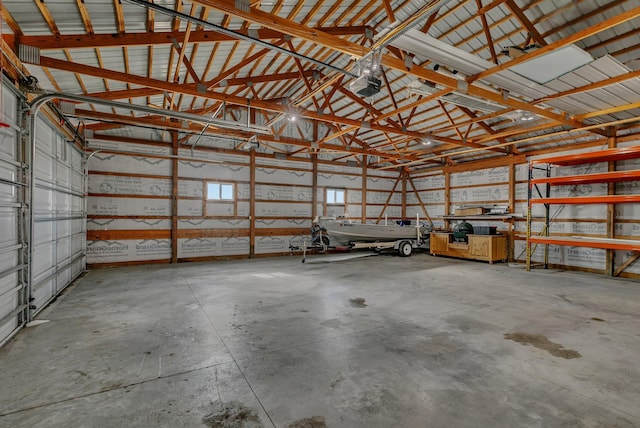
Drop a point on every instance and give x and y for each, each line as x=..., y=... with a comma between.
x=58, y=213
x=12, y=267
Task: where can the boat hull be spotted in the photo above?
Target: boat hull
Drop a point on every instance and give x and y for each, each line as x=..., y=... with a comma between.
x=345, y=232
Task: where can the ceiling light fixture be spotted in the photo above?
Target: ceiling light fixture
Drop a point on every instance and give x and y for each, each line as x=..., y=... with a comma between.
x=526, y=116
x=454, y=97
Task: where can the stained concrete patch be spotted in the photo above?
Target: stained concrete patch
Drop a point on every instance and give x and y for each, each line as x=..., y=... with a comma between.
x=542, y=342
x=312, y=422
x=358, y=302
x=232, y=414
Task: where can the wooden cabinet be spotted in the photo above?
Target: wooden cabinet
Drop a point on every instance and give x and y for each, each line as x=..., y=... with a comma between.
x=489, y=248
x=438, y=242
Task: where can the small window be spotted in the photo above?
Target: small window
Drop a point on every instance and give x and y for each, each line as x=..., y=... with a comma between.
x=335, y=196
x=219, y=192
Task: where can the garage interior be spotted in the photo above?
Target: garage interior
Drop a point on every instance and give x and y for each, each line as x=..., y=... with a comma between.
x=166, y=169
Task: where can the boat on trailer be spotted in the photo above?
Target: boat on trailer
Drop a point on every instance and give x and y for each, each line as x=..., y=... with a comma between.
x=345, y=232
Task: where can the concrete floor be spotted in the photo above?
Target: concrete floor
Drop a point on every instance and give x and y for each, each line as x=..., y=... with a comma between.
x=272, y=342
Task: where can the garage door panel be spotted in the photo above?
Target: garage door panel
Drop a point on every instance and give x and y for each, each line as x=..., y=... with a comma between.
x=43, y=233
x=63, y=202
x=45, y=166
x=10, y=197
x=8, y=293
x=43, y=259
x=44, y=201
x=8, y=226
x=8, y=193
x=8, y=147
x=63, y=249
x=8, y=260
x=42, y=292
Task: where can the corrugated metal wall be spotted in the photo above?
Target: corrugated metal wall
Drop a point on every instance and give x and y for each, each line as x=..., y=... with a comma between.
x=12, y=246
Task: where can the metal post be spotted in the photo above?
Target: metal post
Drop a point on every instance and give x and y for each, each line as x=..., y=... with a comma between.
x=547, y=219
x=529, y=191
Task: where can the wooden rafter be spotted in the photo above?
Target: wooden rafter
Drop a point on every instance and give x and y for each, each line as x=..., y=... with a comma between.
x=387, y=7
x=451, y=121
x=573, y=38
x=487, y=33
x=117, y=6
x=349, y=48
x=84, y=13
x=179, y=125
x=191, y=89
x=619, y=37
x=46, y=14
x=526, y=23
x=15, y=28
x=584, y=16
x=484, y=126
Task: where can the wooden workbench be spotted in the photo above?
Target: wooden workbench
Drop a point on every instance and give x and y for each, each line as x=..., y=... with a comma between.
x=488, y=248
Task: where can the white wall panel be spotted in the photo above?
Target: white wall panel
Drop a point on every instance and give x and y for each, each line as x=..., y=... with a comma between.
x=391, y=211
x=499, y=193
x=279, y=209
x=272, y=192
x=280, y=176
x=127, y=224
x=191, y=208
x=339, y=180
x=129, y=206
x=378, y=183
x=107, y=162
x=265, y=223
x=282, y=163
x=429, y=182
x=128, y=250
x=211, y=171
x=431, y=197
x=277, y=244
x=213, y=247
x=213, y=223
x=190, y=188
x=354, y=196
x=119, y=185
x=374, y=197
x=482, y=176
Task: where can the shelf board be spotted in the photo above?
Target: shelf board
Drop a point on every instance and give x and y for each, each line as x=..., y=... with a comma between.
x=606, y=199
x=604, y=243
x=608, y=155
x=604, y=177
x=483, y=217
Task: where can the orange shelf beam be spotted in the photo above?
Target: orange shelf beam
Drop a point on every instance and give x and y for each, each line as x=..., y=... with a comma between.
x=608, y=155
x=611, y=244
x=607, y=199
x=604, y=177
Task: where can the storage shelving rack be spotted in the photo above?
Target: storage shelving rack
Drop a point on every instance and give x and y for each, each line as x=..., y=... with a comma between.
x=608, y=155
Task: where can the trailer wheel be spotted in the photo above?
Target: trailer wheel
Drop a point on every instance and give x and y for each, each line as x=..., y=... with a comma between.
x=405, y=248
